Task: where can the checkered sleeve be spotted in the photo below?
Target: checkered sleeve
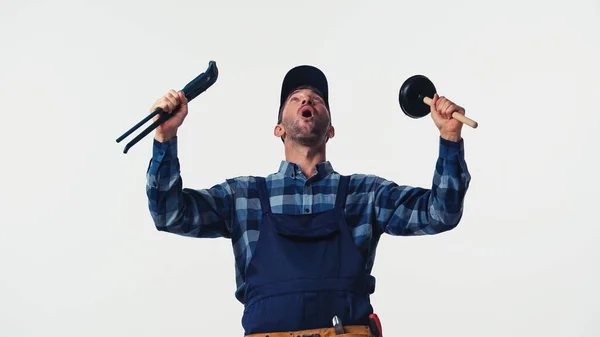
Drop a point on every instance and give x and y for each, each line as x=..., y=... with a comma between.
x=406, y=210
x=205, y=213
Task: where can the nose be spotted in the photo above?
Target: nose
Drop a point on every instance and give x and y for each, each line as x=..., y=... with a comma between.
x=307, y=100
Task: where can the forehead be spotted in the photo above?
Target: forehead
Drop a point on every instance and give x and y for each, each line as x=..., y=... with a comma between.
x=305, y=89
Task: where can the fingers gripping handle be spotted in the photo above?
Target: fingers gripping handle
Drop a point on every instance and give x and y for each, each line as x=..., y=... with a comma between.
x=459, y=117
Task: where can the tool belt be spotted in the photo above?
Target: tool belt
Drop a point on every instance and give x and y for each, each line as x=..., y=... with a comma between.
x=349, y=331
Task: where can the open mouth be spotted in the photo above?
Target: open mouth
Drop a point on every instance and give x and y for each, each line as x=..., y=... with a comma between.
x=307, y=112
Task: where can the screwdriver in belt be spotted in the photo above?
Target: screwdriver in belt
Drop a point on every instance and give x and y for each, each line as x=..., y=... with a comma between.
x=337, y=326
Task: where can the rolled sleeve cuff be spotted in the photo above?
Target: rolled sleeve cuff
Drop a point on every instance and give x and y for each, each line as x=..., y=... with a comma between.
x=451, y=150
x=164, y=151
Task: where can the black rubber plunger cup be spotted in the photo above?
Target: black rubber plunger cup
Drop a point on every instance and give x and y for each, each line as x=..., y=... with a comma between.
x=416, y=94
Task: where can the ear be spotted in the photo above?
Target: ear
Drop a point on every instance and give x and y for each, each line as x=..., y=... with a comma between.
x=330, y=132
x=279, y=131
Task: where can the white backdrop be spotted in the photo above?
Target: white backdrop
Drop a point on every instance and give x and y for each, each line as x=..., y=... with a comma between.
x=79, y=253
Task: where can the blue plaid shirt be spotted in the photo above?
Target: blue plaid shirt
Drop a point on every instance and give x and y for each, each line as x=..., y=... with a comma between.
x=374, y=205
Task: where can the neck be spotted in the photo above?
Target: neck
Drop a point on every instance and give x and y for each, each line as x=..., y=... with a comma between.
x=306, y=157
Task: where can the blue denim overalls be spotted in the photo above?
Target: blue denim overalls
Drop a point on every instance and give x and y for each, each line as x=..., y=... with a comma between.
x=305, y=269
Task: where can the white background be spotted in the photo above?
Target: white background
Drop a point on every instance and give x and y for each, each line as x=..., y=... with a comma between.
x=79, y=254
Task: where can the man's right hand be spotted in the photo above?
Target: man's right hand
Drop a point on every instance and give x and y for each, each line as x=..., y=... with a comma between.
x=174, y=103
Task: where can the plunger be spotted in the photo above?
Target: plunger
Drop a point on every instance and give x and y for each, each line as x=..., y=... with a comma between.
x=415, y=99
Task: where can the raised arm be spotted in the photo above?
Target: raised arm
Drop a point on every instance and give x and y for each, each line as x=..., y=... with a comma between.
x=205, y=213
x=406, y=210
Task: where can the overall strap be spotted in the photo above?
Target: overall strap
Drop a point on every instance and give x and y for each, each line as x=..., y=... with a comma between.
x=263, y=194
x=340, y=198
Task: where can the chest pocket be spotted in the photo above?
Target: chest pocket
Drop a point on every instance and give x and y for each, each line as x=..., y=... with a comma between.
x=307, y=226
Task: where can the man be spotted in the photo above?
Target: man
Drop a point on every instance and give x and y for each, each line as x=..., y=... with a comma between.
x=305, y=236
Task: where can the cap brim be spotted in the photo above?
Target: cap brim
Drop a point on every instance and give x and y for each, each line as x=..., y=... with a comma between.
x=304, y=75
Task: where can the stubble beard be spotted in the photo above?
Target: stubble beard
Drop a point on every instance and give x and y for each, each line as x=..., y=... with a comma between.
x=306, y=135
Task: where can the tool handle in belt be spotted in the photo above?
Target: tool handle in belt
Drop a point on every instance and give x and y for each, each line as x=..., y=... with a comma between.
x=375, y=325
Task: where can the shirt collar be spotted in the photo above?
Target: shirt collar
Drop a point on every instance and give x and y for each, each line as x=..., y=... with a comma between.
x=293, y=170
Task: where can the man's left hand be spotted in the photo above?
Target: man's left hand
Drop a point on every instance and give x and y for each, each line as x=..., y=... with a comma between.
x=441, y=113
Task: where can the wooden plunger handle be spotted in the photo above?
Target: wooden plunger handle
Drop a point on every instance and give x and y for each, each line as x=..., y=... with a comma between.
x=459, y=117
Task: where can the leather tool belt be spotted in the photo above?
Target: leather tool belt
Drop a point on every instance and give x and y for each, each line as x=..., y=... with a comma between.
x=349, y=331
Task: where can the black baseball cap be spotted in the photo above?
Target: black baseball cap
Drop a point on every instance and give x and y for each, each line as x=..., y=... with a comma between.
x=304, y=75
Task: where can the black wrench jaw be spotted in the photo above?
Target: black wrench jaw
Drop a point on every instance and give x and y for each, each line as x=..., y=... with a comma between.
x=204, y=81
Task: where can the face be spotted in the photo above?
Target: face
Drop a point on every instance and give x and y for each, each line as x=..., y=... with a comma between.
x=305, y=119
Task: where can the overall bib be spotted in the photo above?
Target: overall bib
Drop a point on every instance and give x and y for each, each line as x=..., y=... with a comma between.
x=305, y=269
